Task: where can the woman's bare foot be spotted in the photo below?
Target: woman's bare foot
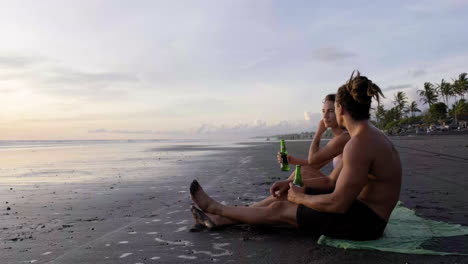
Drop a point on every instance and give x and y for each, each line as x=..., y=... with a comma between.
x=201, y=218
x=202, y=200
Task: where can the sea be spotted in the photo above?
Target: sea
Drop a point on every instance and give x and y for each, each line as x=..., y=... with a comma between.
x=89, y=161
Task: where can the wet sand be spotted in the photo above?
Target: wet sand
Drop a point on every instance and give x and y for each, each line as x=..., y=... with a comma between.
x=147, y=221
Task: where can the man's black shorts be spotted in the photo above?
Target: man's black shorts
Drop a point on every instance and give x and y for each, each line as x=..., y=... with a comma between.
x=358, y=223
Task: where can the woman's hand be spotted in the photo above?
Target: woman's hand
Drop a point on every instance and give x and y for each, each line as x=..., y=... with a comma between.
x=295, y=193
x=280, y=159
x=321, y=128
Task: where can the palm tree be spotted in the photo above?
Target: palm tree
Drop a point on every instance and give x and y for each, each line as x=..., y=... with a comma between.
x=379, y=114
x=460, y=85
x=428, y=94
x=459, y=107
x=413, y=107
x=400, y=102
x=445, y=90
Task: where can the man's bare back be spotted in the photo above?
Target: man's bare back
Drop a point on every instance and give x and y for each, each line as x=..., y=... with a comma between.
x=384, y=180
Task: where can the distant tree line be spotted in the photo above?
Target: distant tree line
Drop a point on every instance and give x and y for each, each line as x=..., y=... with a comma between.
x=295, y=136
x=403, y=113
x=436, y=96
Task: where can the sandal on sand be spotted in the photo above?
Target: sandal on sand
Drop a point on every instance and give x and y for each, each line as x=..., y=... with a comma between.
x=201, y=217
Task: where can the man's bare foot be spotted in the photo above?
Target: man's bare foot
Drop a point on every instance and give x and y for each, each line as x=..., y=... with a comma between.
x=202, y=200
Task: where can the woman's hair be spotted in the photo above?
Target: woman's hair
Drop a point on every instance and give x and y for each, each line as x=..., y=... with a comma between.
x=330, y=97
x=356, y=96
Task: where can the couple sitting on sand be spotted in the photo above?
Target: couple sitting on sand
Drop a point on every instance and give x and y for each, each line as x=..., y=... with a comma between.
x=353, y=202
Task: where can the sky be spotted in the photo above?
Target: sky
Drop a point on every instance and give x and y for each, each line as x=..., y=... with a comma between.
x=98, y=69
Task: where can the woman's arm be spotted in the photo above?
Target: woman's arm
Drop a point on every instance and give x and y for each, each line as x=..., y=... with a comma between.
x=334, y=148
x=314, y=147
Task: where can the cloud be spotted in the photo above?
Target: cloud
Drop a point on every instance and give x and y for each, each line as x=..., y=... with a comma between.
x=254, y=63
x=134, y=132
x=398, y=87
x=14, y=61
x=89, y=85
x=260, y=127
x=6, y=90
x=417, y=73
x=312, y=116
x=331, y=54
x=70, y=76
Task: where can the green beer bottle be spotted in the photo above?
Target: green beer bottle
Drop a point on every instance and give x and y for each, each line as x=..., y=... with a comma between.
x=298, y=177
x=284, y=156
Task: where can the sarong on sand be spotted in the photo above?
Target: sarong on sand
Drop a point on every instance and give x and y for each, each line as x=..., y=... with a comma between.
x=405, y=233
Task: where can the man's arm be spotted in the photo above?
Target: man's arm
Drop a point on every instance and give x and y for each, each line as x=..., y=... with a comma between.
x=350, y=182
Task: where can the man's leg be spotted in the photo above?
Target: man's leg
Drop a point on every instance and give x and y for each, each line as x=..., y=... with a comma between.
x=307, y=173
x=276, y=213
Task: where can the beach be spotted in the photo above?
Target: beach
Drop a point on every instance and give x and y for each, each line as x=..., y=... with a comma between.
x=128, y=202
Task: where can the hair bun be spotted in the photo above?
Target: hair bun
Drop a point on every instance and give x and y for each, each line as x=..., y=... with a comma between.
x=362, y=89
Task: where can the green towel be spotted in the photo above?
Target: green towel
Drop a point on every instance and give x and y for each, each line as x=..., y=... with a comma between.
x=405, y=233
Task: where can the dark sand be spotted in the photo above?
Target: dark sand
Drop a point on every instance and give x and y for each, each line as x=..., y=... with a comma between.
x=148, y=222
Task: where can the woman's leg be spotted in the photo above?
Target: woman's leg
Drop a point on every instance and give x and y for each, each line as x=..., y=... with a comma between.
x=309, y=172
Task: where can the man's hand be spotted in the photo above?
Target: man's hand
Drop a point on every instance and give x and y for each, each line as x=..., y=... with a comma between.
x=279, y=189
x=295, y=193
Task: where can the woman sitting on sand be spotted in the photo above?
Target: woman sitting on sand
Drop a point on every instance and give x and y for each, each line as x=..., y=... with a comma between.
x=367, y=185
x=318, y=158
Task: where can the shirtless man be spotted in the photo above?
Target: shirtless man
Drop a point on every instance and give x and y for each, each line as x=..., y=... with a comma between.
x=367, y=184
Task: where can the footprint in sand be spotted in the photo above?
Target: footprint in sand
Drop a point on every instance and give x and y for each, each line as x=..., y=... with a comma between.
x=181, y=229
x=177, y=243
x=216, y=246
x=186, y=257
x=124, y=255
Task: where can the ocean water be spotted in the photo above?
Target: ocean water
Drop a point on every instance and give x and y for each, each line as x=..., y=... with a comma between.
x=37, y=162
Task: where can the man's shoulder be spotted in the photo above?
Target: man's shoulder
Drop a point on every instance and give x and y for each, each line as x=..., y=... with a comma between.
x=361, y=146
x=344, y=137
